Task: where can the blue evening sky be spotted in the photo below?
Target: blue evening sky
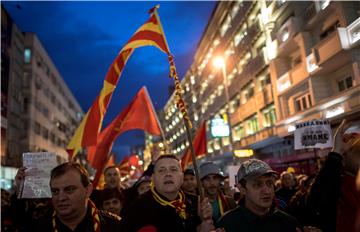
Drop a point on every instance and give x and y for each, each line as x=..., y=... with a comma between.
x=83, y=38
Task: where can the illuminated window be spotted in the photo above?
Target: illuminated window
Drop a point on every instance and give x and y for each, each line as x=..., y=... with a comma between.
x=264, y=81
x=225, y=26
x=239, y=132
x=303, y=102
x=252, y=125
x=269, y=116
x=345, y=83
x=27, y=55
x=240, y=35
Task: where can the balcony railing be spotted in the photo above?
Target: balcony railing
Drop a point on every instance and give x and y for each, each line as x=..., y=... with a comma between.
x=258, y=136
x=327, y=48
x=264, y=97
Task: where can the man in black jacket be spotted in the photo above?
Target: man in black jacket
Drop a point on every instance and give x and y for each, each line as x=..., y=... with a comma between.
x=165, y=207
x=256, y=211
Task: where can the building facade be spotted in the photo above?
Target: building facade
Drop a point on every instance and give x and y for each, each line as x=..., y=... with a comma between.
x=40, y=112
x=286, y=62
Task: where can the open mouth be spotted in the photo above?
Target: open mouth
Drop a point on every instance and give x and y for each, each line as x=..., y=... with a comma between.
x=168, y=182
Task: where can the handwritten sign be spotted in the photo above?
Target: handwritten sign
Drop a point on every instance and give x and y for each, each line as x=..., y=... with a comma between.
x=37, y=174
x=313, y=134
x=232, y=175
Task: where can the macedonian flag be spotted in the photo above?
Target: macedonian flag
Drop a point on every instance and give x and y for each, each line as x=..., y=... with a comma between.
x=149, y=34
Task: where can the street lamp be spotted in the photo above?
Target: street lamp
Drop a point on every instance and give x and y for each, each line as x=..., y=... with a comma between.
x=219, y=62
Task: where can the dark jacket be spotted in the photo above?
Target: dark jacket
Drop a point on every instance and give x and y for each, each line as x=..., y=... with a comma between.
x=332, y=201
x=146, y=211
x=242, y=219
x=108, y=222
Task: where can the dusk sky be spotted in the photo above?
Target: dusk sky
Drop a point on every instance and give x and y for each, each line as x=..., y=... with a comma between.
x=83, y=38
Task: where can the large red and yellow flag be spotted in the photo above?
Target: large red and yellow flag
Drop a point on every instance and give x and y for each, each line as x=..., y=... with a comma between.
x=199, y=146
x=139, y=114
x=149, y=34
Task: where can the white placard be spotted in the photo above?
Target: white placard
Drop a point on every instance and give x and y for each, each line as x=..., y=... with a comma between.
x=37, y=174
x=232, y=173
x=313, y=134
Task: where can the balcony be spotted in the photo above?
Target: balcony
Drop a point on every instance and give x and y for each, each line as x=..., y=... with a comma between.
x=257, y=137
x=350, y=36
x=264, y=97
x=285, y=34
x=244, y=111
x=327, y=48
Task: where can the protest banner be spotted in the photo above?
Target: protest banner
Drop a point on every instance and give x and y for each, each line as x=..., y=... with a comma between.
x=313, y=134
x=37, y=174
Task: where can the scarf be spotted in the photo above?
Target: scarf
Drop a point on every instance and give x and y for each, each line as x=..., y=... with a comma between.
x=223, y=203
x=94, y=215
x=178, y=204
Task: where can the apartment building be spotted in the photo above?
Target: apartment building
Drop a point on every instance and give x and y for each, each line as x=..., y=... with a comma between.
x=52, y=114
x=286, y=62
x=12, y=50
x=38, y=111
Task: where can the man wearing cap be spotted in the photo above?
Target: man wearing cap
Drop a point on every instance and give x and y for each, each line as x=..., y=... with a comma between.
x=256, y=211
x=189, y=185
x=211, y=176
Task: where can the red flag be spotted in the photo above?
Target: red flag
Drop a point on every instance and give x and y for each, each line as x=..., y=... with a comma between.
x=199, y=146
x=139, y=114
x=149, y=34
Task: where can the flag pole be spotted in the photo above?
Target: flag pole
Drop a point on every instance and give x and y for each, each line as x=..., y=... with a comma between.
x=181, y=104
x=196, y=169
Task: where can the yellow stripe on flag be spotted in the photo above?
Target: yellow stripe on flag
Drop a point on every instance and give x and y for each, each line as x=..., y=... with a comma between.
x=107, y=89
x=150, y=27
x=141, y=43
x=75, y=143
x=116, y=67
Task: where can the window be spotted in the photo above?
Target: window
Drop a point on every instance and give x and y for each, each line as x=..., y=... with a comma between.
x=248, y=92
x=303, y=102
x=345, y=83
x=45, y=133
x=239, y=132
x=225, y=26
x=264, y=80
x=252, y=125
x=37, y=128
x=329, y=30
x=27, y=55
x=45, y=111
x=240, y=35
x=269, y=116
x=235, y=8
x=52, y=137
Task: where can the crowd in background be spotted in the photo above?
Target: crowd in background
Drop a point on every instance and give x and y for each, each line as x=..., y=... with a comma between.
x=167, y=198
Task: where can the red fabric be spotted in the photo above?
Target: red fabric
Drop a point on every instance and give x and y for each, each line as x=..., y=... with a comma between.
x=148, y=229
x=348, y=206
x=199, y=146
x=138, y=115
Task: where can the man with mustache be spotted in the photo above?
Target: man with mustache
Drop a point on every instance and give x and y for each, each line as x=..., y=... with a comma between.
x=165, y=207
x=73, y=211
x=211, y=176
x=256, y=211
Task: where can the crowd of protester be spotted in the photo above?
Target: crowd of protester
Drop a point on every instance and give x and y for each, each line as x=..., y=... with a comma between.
x=167, y=198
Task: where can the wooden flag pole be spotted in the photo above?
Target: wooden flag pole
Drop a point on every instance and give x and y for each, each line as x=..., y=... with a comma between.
x=180, y=103
x=196, y=169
